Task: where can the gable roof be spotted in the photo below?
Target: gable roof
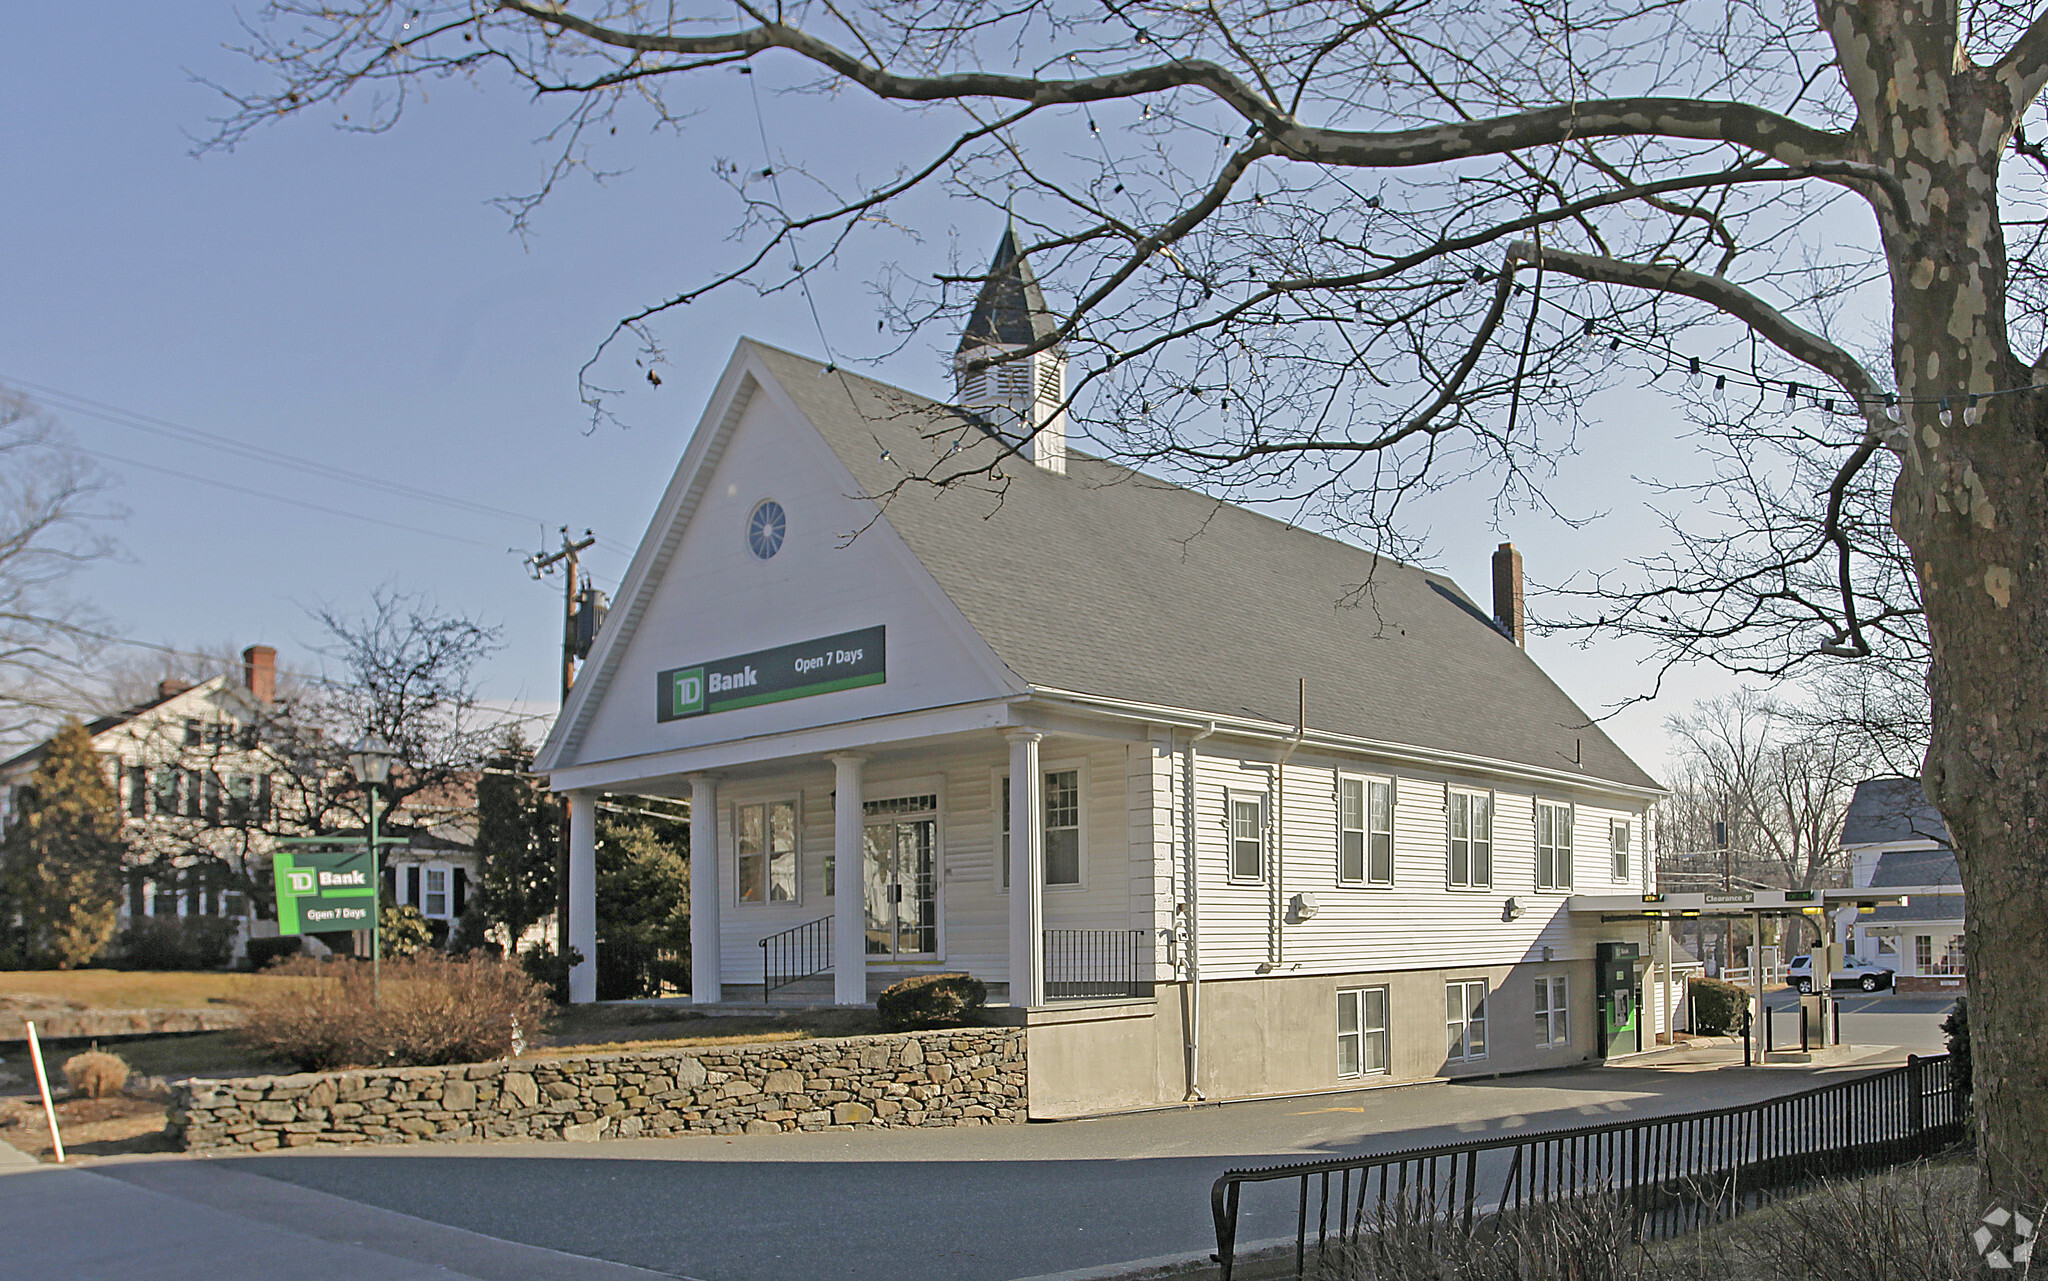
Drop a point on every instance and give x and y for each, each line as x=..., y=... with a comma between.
x=1918, y=867
x=1011, y=307
x=100, y=725
x=1111, y=583
x=1884, y=810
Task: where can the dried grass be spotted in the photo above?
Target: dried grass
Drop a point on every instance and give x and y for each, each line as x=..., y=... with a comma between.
x=433, y=1009
x=96, y=1074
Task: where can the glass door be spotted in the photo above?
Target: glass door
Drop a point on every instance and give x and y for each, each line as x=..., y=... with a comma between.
x=899, y=884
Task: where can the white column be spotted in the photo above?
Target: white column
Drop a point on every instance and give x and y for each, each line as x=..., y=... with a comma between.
x=1027, y=871
x=849, y=883
x=583, y=895
x=707, y=896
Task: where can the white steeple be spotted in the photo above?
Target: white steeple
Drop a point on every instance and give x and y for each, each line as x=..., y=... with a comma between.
x=1020, y=399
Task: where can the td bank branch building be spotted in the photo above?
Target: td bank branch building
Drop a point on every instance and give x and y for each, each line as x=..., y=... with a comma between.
x=1217, y=807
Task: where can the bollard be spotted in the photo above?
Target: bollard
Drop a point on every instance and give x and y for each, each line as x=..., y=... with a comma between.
x=1805, y=1024
x=1747, y=1061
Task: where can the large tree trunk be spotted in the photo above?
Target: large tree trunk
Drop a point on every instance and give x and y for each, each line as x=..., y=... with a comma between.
x=1972, y=503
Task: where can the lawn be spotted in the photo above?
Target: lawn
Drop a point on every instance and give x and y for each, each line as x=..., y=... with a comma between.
x=125, y=989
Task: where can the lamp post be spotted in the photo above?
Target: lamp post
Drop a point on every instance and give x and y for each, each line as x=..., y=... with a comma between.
x=370, y=762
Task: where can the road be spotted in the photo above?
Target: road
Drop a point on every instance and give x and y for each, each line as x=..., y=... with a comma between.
x=987, y=1204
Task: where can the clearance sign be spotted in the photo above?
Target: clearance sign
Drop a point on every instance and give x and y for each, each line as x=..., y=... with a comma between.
x=846, y=661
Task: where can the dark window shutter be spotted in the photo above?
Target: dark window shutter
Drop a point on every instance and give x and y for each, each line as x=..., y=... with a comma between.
x=461, y=889
x=412, y=885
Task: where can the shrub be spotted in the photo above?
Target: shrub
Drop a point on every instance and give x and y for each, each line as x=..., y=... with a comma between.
x=549, y=970
x=176, y=943
x=473, y=934
x=1956, y=1027
x=1717, y=1006
x=433, y=1009
x=404, y=930
x=96, y=1074
x=263, y=951
x=931, y=1000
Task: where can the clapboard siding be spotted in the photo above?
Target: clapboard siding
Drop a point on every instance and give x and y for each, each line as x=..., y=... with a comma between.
x=1418, y=921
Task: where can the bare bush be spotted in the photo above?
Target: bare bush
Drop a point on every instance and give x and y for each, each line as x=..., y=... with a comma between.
x=432, y=1009
x=1587, y=1239
x=96, y=1074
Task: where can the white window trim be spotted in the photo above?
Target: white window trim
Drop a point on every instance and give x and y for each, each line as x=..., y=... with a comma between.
x=447, y=871
x=1365, y=781
x=1471, y=886
x=1485, y=1020
x=1569, y=812
x=1621, y=867
x=730, y=839
x=1556, y=1011
x=1386, y=1034
x=999, y=819
x=1231, y=797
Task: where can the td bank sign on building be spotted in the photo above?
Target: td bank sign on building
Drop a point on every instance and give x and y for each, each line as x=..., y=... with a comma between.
x=849, y=660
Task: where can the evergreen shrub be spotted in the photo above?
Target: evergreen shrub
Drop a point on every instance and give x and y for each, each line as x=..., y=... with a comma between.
x=931, y=1000
x=262, y=952
x=176, y=943
x=1717, y=1006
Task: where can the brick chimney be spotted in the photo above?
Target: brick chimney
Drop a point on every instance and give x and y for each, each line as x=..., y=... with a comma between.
x=259, y=672
x=171, y=687
x=1507, y=591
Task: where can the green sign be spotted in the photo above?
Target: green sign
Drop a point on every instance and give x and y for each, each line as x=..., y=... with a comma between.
x=318, y=892
x=846, y=661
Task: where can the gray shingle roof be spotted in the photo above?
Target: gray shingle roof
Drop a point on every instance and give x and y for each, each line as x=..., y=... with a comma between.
x=1109, y=582
x=1919, y=867
x=1011, y=307
x=1884, y=810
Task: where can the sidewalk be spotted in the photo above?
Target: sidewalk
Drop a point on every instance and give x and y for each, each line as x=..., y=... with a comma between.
x=197, y=1221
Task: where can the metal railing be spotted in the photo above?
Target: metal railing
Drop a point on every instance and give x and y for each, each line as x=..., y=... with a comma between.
x=1096, y=964
x=795, y=955
x=1668, y=1175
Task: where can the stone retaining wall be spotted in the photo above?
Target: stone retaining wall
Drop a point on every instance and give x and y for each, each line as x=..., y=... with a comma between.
x=970, y=1076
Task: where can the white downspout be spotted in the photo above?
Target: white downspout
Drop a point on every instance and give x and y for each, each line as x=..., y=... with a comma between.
x=1192, y=930
x=1279, y=896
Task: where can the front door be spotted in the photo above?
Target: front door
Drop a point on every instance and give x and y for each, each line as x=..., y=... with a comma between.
x=900, y=885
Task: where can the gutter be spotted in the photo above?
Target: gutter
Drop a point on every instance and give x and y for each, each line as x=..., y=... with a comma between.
x=1279, y=895
x=1191, y=933
x=1248, y=727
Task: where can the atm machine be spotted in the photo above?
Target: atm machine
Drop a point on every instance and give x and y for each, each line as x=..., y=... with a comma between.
x=1620, y=1012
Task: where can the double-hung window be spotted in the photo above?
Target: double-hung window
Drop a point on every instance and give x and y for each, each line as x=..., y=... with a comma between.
x=1361, y=1031
x=1618, y=843
x=1060, y=797
x=1247, y=823
x=1465, y=1019
x=765, y=841
x=1553, y=846
x=1553, y=1019
x=1365, y=831
x=1471, y=839
x=435, y=901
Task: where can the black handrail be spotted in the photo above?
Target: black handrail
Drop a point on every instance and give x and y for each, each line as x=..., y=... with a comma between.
x=1096, y=965
x=1668, y=1174
x=795, y=955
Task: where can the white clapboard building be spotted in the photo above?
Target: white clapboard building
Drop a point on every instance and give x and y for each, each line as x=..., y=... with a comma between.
x=1216, y=806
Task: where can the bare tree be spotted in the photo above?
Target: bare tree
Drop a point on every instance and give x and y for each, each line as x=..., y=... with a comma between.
x=51, y=500
x=1337, y=253
x=136, y=674
x=1758, y=796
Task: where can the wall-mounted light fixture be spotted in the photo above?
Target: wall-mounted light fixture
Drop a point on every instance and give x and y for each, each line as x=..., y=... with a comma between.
x=1512, y=911
x=1303, y=907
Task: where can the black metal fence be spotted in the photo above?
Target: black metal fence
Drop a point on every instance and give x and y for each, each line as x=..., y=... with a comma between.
x=1096, y=964
x=795, y=954
x=1668, y=1174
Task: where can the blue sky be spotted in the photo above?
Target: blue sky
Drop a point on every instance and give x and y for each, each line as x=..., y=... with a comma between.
x=355, y=300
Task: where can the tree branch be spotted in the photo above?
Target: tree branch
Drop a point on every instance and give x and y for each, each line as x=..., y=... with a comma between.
x=1754, y=128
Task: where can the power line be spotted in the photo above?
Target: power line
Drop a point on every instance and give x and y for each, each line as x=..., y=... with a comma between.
x=280, y=498
x=138, y=421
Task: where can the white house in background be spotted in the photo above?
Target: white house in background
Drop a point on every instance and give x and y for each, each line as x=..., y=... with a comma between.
x=194, y=776
x=1218, y=806
x=203, y=790
x=1894, y=838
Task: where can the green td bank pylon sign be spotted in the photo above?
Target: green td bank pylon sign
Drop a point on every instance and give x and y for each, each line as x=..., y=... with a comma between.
x=325, y=890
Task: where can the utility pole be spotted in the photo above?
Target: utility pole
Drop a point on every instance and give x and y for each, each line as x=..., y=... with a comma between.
x=538, y=564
